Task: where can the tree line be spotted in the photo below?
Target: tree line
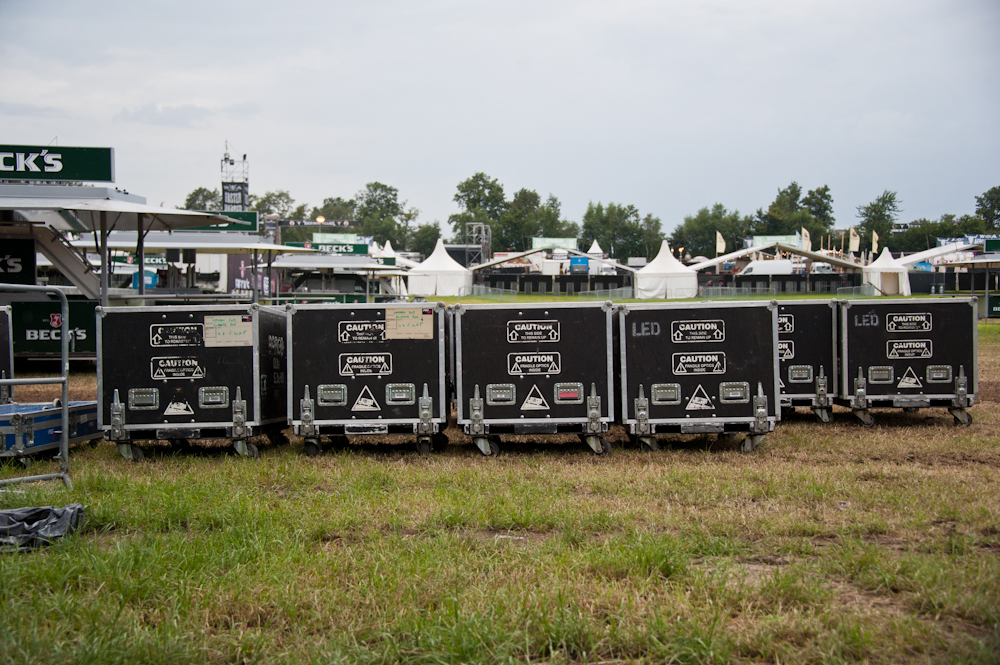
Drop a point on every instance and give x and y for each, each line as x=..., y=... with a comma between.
x=620, y=229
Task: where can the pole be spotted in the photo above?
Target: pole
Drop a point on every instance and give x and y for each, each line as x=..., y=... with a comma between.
x=140, y=253
x=104, y=259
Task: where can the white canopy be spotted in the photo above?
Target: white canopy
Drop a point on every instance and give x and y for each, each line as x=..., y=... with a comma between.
x=666, y=277
x=887, y=276
x=440, y=275
x=595, y=249
x=388, y=250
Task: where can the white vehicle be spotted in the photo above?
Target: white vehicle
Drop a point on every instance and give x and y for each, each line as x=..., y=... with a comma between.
x=822, y=269
x=772, y=267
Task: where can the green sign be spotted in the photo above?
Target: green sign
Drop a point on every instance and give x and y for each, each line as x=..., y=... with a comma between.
x=37, y=327
x=35, y=162
x=17, y=261
x=991, y=245
x=333, y=248
x=554, y=243
x=993, y=307
x=243, y=220
x=336, y=238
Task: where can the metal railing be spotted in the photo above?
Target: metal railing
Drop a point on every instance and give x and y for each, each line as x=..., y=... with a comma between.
x=490, y=293
x=725, y=293
x=63, y=379
x=863, y=291
x=623, y=293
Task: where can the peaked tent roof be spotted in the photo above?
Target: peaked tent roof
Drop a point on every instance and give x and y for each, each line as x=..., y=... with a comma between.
x=595, y=248
x=665, y=263
x=884, y=263
x=388, y=250
x=439, y=261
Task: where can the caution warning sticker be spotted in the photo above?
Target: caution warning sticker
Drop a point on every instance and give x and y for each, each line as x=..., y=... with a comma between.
x=535, y=401
x=178, y=408
x=707, y=330
x=699, y=363
x=365, y=364
x=171, y=334
x=786, y=350
x=700, y=401
x=521, y=364
x=909, y=322
x=175, y=367
x=366, y=401
x=360, y=332
x=911, y=348
x=786, y=324
x=519, y=332
x=910, y=380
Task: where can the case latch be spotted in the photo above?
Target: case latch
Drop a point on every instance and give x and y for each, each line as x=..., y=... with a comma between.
x=426, y=406
x=642, y=413
x=961, y=388
x=306, y=407
x=118, y=432
x=822, y=398
x=477, y=426
x=760, y=424
x=239, y=416
x=860, y=391
x=594, y=425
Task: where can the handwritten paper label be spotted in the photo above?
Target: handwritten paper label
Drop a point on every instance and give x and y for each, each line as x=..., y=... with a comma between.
x=409, y=323
x=229, y=330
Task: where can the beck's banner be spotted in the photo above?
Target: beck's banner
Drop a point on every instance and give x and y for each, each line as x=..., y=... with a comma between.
x=36, y=162
x=17, y=261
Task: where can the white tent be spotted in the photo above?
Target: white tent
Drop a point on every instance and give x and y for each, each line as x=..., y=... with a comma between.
x=666, y=277
x=596, y=249
x=440, y=275
x=398, y=284
x=888, y=277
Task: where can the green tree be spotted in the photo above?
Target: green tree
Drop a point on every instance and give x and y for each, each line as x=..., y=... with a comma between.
x=425, y=238
x=878, y=216
x=335, y=208
x=988, y=207
x=819, y=203
x=278, y=203
x=621, y=231
x=379, y=210
x=696, y=235
x=481, y=192
x=203, y=198
x=789, y=213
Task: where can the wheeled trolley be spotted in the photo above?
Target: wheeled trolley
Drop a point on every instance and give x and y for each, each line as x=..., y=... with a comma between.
x=807, y=355
x=541, y=368
x=698, y=368
x=31, y=428
x=185, y=372
x=367, y=369
x=909, y=354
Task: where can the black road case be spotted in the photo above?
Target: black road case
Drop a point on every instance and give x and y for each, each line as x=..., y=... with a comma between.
x=540, y=368
x=6, y=354
x=807, y=354
x=183, y=372
x=909, y=354
x=367, y=369
x=698, y=368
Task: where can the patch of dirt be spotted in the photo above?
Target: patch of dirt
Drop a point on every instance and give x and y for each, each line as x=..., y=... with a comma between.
x=989, y=391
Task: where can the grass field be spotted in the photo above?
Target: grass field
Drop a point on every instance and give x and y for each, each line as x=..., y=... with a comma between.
x=829, y=544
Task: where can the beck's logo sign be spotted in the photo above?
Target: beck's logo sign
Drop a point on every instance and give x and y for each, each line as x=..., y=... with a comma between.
x=22, y=162
x=55, y=320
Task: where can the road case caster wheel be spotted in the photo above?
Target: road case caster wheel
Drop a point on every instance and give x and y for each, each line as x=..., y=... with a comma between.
x=752, y=442
x=961, y=416
x=865, y=417
x=823, y=415
x=244, y=448
x=311, y=448
x=423, y=446
x=487, y=447
x=131, y=452
x=648, y=444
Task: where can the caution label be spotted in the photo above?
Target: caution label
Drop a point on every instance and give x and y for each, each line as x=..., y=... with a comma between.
x=700, y=401
x=360, y=332
x=786, y=324
x=366, y=401
x=521, y=332
x=786, y=350
x=699, y=363
x=175, y=367
x=535, y=401
x=910, y=348
x=910, y=380
x=709, y=330
x=170, y=334
x=521, y=364
x=179, y=407
x=909, y=322
x=365, y=364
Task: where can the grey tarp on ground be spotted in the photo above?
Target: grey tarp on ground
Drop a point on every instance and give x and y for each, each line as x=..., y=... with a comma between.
x=29, y=528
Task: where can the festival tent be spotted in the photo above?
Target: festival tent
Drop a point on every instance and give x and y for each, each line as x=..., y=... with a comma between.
x=888, y=277
x=440, y=275
x=666, y=277
x=398, y=284
x=595, y=249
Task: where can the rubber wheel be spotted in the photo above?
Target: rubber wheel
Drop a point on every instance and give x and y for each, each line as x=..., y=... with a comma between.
x=423, y=446
x=494, y=448
x=137, y=454
x=311, y=449
x=252, y=451
x=605, y=446
x=959, y=422
x=645, y=447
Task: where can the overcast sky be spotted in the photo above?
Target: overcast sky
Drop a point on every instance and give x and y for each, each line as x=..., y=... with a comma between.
x=670, y=106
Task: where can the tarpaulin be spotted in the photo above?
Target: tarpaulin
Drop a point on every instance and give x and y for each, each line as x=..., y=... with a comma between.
x=29, y=528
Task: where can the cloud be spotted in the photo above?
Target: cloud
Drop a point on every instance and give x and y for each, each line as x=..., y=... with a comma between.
x=185, y=115
x=28, y=110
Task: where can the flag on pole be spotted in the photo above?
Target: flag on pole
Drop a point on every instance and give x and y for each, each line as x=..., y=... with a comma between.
x=855, y=241
x=720, y=244
x=807, y=243
x=874, y=243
